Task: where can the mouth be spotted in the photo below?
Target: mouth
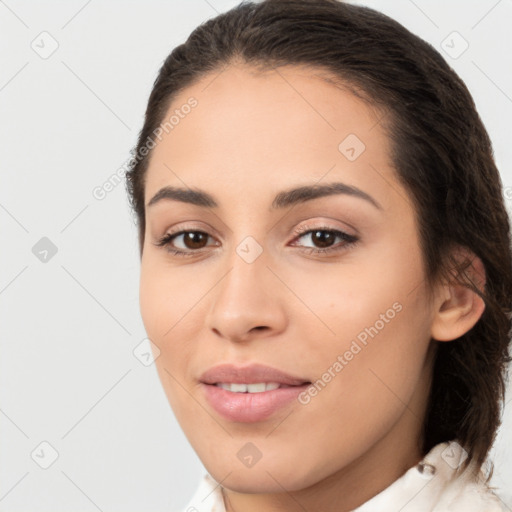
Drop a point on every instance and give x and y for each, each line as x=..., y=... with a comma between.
x=257, y=387
x=250, y=393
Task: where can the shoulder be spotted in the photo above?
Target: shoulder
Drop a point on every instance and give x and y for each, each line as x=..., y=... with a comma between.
x=464, y=491
x=468, y=495
x=438, y=484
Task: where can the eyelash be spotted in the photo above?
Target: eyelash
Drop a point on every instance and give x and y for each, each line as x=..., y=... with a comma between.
x=350, y=240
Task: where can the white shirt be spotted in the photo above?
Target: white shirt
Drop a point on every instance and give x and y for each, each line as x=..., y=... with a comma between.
x=433, y=485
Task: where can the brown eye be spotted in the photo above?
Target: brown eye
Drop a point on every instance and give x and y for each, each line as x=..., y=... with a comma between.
x=323, y=240
x=184, y=243
x=194, y=239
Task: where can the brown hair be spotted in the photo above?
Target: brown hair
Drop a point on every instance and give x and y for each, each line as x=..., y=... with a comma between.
x=441, y=152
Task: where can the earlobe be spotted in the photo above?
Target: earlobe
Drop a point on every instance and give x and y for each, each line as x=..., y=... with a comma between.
x=457, y=307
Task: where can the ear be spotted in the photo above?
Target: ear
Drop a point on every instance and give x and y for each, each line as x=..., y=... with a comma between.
x=457, y=308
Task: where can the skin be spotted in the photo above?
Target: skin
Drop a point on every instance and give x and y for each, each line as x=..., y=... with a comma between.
x=251, y=136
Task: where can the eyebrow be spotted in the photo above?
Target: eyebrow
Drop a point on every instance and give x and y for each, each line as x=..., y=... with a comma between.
x=282, y=200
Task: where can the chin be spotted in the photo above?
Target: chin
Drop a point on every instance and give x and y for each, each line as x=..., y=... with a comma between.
x=269, y=477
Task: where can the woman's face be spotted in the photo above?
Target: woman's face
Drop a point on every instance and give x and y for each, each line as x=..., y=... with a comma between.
x=249, y=288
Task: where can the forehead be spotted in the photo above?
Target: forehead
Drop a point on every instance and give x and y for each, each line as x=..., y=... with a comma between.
x=251, y=130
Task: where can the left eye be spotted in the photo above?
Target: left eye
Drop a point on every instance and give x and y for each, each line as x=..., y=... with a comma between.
x=325, y=237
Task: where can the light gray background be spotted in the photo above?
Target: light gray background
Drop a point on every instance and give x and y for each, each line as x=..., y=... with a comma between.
x=68, y=375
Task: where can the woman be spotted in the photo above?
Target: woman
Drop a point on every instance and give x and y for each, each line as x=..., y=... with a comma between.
x=326, y=267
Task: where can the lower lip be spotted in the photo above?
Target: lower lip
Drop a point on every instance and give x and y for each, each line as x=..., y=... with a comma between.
x=250, y=407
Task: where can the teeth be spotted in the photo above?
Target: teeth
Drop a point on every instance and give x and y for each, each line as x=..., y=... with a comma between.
x=248, y=388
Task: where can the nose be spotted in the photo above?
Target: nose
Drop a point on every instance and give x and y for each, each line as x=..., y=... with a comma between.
x=247, y=302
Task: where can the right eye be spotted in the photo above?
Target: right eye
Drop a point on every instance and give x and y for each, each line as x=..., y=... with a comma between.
x=192, y=241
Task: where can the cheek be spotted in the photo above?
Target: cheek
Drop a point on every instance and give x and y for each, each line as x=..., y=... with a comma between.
x=167, y=296
x=370, y=324
x=152, y=304
x=167, y=308
x=367, y=371
x=164, y=304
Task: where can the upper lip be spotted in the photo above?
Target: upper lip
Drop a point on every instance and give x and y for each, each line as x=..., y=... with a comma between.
x=248, y=374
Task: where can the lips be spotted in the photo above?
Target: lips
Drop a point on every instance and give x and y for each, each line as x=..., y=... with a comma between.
x=249, y=374
x=236, y=394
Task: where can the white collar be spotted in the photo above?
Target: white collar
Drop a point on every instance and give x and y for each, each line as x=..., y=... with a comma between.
x=435, y=484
